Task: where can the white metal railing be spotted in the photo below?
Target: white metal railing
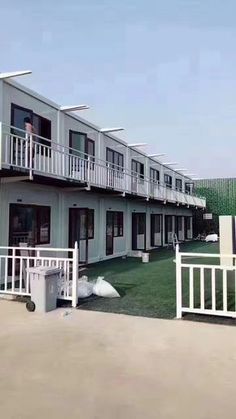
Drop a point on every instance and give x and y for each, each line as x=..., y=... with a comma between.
x=15, y=261
x=205, y=288
x=40, y=155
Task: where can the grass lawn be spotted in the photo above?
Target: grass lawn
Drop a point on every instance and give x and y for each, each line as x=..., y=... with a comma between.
x=145, y=289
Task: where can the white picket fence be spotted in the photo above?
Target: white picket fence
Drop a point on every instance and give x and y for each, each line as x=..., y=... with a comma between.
x=15, y=261
x=205, y=288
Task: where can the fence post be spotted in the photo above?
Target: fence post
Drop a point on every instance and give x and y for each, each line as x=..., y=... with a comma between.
x=75, y=276
x=178, y=283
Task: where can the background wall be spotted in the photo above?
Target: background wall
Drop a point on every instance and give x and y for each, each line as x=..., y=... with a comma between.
x=220, y=198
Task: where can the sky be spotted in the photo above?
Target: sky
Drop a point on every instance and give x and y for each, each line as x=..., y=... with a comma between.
x=164, y=70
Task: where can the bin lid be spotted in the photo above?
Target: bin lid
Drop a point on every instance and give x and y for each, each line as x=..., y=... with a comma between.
x=44, y=270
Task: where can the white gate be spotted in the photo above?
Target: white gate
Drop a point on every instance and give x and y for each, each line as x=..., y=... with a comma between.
x=203, y=285
x=15, y=261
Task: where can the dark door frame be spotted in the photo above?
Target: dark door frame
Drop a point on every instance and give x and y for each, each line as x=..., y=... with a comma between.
x=135, y=230
x=166, y=227
x=111, y=250
x=71, y=244
x=177, y=230
x=152, y=230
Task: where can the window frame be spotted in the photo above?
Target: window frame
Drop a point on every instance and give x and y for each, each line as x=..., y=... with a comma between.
x=41, y=141
x=120, y=223
x=119, y=217
x=139, y=172
x=87, y=141
x=90, y=214
x=37, y=209
x=187, y=188
x=156, y=172
x=166, y=182
x=178, y=188
x=119, y=167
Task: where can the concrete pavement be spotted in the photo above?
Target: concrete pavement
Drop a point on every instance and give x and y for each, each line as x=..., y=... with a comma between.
x=95, y=365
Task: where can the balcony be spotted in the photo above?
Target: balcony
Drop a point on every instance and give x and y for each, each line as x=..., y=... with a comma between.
x=38, y=157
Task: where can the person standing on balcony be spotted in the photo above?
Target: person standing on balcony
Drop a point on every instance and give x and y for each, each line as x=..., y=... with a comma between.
x=29, y=131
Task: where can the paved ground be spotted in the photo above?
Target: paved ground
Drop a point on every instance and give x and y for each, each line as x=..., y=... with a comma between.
x=95, y=365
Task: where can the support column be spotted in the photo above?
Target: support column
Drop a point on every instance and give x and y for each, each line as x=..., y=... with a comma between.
x=102, y=230
x=227, y=238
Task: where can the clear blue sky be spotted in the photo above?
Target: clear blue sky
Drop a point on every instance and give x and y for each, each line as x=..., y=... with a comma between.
x=165, y=70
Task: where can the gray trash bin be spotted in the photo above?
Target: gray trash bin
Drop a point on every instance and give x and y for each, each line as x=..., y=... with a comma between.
x=44, y=288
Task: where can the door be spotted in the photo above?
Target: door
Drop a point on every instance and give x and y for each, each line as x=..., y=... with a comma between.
x=168, y=228
x=179, y=227
x=187, y=228
x=139, y=231
x=78, y=163
x=109, y=233
x=78, y=231
x=156, y=230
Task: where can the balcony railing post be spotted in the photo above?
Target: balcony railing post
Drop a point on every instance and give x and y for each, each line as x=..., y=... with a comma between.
x=108, y=174
x=1, y=135
x=88, y=176
x=31, y=156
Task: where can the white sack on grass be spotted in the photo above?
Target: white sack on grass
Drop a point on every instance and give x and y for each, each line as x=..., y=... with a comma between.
x=212, y=238
x=85, y=289
x=102, y=288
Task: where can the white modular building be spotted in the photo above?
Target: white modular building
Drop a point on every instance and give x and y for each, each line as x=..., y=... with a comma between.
x=71, y=181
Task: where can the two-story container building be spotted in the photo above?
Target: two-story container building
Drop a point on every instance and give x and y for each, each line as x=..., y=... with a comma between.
x=69, y=181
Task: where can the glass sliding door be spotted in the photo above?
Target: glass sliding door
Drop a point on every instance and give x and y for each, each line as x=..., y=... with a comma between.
x=179, y=227
x=139, y=231
x=156, y=230
x=29, y=224
x=168, y=228
x=109, y=233
x=81, y=229
x=80, y=148
x=115, y=168
x=188, y=228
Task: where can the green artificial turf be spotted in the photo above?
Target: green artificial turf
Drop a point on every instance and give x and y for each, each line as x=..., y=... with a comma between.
x=146, y=289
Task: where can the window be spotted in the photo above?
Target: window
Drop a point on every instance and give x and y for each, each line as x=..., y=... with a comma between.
x=29, y=224
x=178, y=184
x=91, y=148
x=156, y=230
x=86, y=223
x=41, y=125
x=18, y=115
x=154, y=175
x=168, y=180
x=90, y=224
x=188, y=188
x=156, y=223
x=169, y=221
x=141, y=224
x=137, y=168
x=116, y=223
x=82, y=145
x=116, y=159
